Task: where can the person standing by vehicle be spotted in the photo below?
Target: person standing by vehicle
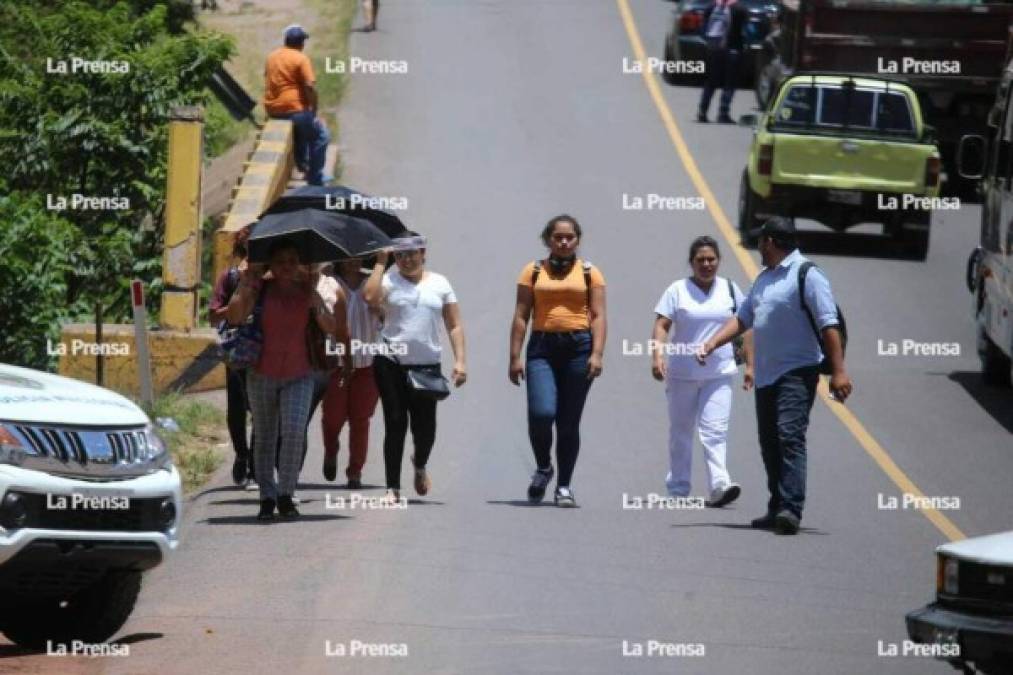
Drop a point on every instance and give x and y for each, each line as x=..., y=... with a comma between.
x=792, y=332
x=370, y=10
x=236, y=403
x=564, y=298
x=722, y=34
x=280, y=386
x=699, y=399
x=352, y=398
x=414, y=302
x=290, y=93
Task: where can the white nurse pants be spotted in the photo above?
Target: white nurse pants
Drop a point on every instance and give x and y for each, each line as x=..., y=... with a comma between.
x=702, y=406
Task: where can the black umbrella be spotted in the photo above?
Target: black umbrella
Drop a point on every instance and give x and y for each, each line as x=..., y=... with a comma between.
x=338, y=199
x=320, y=236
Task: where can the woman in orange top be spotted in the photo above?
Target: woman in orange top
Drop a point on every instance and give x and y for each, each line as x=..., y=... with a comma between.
x=566, y=298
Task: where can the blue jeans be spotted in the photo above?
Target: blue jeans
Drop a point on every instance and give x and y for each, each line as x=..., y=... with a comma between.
x=782, y=418
x=557, y=388
x=722, y=73
x=311, y=139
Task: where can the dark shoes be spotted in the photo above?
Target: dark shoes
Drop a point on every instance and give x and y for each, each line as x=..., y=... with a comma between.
x=354, y=484
x=239, y=470
x=286, y=508
x=725, y=118
x=330, y=467
x=266, y=510
x=701, y=117
x=764, y=522
x=786, y=522
x=539, y=481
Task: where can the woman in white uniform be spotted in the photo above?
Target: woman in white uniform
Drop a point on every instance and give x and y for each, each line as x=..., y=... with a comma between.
x=690, y=311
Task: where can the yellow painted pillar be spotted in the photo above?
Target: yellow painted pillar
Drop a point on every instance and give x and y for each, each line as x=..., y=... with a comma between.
x=181, y=258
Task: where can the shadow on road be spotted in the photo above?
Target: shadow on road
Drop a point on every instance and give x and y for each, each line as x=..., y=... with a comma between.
x=335, y=486
x=747, y=526
x=521, y=502
x=252, y=519
x=996, y=402
x=12, y=651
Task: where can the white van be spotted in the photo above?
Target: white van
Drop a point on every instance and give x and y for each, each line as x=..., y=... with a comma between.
x=89, y=499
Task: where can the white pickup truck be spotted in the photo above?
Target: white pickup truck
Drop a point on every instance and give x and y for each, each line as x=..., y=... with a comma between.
x=89, y=499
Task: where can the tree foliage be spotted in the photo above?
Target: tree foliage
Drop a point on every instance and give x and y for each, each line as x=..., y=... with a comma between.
x=95, y=134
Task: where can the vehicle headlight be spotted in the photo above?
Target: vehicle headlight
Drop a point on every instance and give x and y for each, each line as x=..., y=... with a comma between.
x=12, y=450
x=948, y=575
x=157, y=453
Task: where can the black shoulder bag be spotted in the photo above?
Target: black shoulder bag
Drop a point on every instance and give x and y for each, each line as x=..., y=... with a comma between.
x=842, y=326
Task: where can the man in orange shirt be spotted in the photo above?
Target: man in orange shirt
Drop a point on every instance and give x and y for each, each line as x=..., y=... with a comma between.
x=290, y=93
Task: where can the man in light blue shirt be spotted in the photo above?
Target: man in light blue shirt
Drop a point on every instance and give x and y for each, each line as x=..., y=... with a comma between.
x=789, y=344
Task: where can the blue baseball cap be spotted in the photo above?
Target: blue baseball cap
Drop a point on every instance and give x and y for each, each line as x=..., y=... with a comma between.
x=295, y=33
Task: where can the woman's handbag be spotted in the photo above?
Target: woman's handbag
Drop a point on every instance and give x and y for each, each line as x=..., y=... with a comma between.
x=424, y=381
x=427, y=382
x=240, y=346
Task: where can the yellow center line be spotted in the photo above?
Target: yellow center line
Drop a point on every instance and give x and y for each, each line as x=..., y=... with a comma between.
x=730, y=234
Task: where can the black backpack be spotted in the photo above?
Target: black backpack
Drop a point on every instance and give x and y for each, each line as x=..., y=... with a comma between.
x=842, y=325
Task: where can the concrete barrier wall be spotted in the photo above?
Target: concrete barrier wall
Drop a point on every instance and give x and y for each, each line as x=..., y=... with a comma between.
x=264, y=179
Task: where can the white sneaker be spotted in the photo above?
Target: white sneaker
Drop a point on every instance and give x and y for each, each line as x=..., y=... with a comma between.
x=723, y=496
x=392, y=496
x=296, y=500
x=252, y=486
x=564, y=498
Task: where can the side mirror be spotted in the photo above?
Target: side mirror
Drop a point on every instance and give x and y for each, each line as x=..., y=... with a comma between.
x=749, y=120
x=929, y=133
x=971, y=155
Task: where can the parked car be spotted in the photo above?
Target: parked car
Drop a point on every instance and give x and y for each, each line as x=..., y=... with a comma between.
x=971, y=620
x=89, y=500
x=843, y=150
x=685, y=41
x=990, y=267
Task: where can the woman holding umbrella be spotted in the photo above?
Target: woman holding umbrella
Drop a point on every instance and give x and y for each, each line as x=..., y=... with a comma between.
x=414, y=302
x=280, y=385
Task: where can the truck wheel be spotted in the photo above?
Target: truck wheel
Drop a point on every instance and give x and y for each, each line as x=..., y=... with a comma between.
x=747, y=212
x=995, y=366
x=92, y=615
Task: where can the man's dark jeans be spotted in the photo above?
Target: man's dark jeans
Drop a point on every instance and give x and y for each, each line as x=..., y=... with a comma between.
x=311, y=139
x=722, y=73
x=782, y=418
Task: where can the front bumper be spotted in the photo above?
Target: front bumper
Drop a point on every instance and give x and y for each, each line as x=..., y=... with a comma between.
x=60, y=491
x=982, y=639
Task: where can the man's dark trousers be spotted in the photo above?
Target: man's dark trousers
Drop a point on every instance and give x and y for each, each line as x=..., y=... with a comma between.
x=722, y=73
x=782, y=418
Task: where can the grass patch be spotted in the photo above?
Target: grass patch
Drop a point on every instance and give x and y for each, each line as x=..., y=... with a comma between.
x=193, y=447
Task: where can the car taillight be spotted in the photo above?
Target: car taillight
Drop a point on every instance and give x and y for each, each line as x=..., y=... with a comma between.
x=932, y=165
x=690, y=21
x=765, y=160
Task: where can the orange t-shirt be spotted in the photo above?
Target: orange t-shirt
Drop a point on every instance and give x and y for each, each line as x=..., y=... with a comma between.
x=286, y=72
x=560, y=304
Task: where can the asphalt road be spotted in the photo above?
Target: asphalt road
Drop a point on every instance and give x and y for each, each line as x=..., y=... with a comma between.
x=512, y=112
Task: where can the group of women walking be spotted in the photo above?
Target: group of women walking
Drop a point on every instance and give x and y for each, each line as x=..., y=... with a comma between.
x=387, y=322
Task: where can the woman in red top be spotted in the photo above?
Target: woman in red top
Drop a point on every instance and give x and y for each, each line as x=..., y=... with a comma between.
x=280, y=386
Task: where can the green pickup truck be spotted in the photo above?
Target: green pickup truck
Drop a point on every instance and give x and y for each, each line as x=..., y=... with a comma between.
x=843, y=150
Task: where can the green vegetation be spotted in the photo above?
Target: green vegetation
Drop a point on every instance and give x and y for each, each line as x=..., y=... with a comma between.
x=96, y=134
x=193, y=446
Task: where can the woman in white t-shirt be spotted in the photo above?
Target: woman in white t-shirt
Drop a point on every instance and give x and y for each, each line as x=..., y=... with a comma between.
x=699, y=396
x=415, y=301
